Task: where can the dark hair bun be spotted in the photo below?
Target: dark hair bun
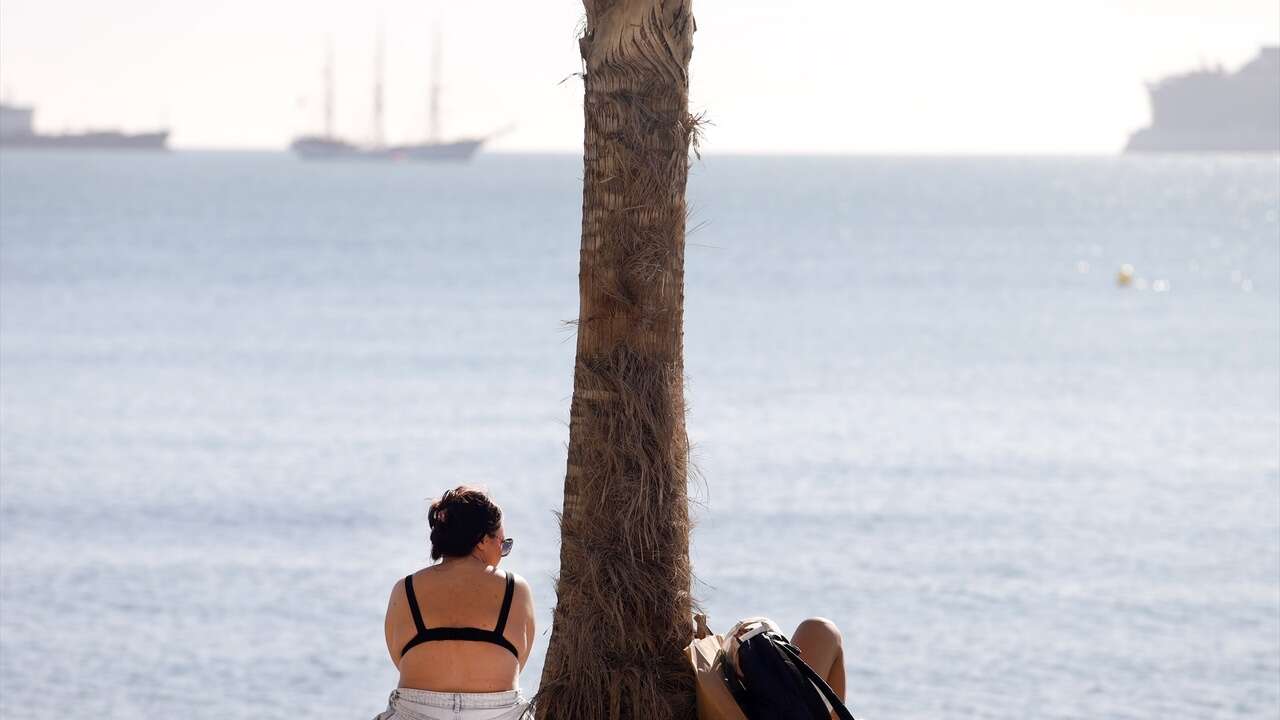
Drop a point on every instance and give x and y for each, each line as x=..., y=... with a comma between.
x=459, y=520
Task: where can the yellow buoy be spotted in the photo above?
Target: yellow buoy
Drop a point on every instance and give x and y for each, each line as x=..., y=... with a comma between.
x=1124, y=278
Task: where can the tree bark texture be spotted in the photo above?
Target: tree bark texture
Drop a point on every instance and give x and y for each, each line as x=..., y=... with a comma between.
x=623, y=610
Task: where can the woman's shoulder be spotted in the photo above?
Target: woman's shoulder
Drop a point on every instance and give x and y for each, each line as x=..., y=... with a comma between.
x=430, y=572
x=399, y=589
x=522, y=585
x=523, y=595
x=490, y=574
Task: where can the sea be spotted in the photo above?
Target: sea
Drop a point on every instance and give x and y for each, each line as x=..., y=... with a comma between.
x=921, y=405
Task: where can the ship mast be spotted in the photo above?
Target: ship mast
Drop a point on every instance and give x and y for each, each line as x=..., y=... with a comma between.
x=433, y=107
x=328, y=89
x=378, y=139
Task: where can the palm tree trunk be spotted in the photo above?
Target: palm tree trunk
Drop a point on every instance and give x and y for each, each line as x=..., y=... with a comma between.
x=622, y=618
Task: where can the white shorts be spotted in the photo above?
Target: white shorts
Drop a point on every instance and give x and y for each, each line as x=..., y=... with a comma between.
x=411, y=704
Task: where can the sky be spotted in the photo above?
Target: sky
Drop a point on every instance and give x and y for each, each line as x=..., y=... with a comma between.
x=776, y=76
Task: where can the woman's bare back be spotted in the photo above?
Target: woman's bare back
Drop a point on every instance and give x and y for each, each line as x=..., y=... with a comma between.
x=462, y=593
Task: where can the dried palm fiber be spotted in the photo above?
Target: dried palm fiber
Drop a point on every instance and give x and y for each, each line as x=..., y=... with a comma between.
x=622, y=617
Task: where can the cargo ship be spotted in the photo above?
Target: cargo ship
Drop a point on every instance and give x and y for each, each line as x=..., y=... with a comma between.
x=328, y=146
x=1211, y=110
x=17, y=130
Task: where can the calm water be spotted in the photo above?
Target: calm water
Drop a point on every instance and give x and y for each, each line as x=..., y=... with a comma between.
x=920, y=405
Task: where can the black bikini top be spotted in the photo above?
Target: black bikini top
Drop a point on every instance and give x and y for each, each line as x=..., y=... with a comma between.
x=494, y=636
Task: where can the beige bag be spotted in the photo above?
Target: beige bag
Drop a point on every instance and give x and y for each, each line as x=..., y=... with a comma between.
x=715, y=702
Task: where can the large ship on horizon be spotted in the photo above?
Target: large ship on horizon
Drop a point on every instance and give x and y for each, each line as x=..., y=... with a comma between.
x=328, y=146
x=17, y=130
x=1211, y=110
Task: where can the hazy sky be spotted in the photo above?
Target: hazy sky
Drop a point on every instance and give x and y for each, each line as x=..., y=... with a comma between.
x=910, y=76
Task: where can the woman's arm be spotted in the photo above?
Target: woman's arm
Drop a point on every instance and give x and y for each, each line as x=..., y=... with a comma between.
x=393, y=609
x=524, y=594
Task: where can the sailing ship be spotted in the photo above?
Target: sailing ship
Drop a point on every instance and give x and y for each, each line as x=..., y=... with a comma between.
x=328, y=146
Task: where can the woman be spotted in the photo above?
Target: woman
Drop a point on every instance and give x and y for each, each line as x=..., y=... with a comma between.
x=460, y=630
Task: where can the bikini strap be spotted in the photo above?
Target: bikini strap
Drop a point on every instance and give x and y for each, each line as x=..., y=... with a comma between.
x=506, y=604
x=413, y=604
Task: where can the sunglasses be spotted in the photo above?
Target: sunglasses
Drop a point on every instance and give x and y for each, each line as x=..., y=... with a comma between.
x=506, y=546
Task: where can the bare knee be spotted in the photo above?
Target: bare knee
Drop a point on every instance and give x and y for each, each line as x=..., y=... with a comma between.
x=822, y=648
x=819, y=642
x=819, y=627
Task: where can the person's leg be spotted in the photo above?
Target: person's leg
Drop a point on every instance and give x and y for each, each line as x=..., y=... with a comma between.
x=822, y=649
